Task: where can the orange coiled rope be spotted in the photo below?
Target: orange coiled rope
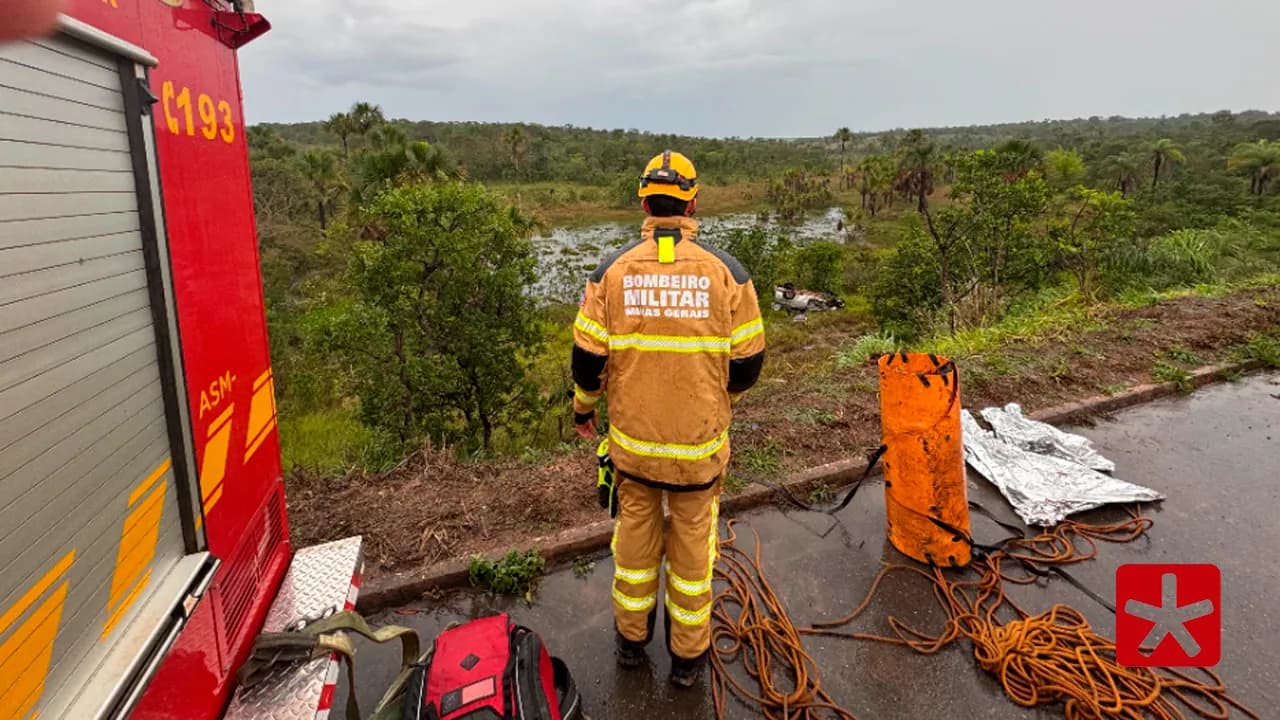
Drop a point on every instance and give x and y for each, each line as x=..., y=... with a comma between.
x=1052, y=657
x=750, y=623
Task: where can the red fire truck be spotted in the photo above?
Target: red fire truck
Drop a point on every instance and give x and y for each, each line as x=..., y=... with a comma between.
x=143, y=536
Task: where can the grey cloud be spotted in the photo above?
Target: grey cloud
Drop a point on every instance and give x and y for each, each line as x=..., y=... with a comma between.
x=757, y=67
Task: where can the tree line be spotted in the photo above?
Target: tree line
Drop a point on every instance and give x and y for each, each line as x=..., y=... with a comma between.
x=1016, y=218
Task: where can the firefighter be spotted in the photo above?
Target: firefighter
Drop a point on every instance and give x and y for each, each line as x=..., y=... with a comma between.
x=671, y=329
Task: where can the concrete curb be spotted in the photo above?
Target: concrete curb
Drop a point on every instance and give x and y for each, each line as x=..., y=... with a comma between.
x=401, y=588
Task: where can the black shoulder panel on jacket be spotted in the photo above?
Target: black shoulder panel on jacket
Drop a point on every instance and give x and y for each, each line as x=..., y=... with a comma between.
x=598, y=275
x=740, y=274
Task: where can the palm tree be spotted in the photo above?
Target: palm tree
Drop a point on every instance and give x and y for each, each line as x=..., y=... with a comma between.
x=1260, y=159
x=1164, y=153
x=366, y=116
x=1021, y=157
x=920, y=162
x=393, y=160
x=425, y=161
x=515, y=142
x=875, y=182
x=843, y=136
x=321, y=169
x=344, y=126
x=387, y=137
x=1124, y=168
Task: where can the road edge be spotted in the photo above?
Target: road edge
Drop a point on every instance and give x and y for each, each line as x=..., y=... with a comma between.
x=400, y=588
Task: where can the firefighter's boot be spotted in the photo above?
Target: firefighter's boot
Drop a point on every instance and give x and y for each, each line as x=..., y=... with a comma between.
x=685, y=673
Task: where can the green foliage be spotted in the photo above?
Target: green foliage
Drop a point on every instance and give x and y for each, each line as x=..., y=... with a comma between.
x=761, y=460
x=819, y=266
x=875, y=180
x=266, y=143
x=1165, y=153
x=1047, y=315
x=623, y=191
x=969, y=258
x=1063, y=169
x=582, y=155
x=865, y=348
x=822, y=494
x=1085, y=226
x=1167, y=372
x=1184, y=258
x=394, y=160
x=583, y=566
x=999, y=214
x=1265, y=349
x=1020, y=156
x=906, y=293
x=332, y=442
x=1259, y=160
x=734, y=484
x=439, y=336
x=797, y=193
x=516, y=574
x=764, y=252
x=1183, y=355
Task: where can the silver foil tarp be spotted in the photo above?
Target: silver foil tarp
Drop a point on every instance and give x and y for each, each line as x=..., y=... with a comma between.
x=1043, y=489
x=1042, y=438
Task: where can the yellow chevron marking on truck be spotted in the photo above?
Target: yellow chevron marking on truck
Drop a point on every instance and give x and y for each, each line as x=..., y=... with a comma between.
x=262, y=413
x=213, y=469
x=26, y=654
x=138, y=539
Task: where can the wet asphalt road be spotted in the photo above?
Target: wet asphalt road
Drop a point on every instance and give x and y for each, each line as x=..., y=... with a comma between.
x=1215, y=454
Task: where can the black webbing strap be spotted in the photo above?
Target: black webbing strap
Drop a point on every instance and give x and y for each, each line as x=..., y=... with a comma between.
x=872, y=462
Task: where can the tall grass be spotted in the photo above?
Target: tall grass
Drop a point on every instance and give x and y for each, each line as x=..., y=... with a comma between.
x=865, y=348
x=1048, y=315
x=333, y=441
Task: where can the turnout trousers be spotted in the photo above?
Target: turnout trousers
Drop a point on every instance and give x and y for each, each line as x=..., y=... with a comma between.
x=690, y=546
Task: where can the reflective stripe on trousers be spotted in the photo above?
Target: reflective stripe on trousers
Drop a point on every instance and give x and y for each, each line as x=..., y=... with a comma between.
x=691, y=549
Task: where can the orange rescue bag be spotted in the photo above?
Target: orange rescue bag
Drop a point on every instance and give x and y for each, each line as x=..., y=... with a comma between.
x=924, y=464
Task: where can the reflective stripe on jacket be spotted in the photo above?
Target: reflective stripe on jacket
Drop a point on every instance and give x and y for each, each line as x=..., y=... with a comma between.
x=669, y=328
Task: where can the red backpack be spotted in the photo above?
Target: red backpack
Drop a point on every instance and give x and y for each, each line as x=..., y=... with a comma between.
x=491, y=669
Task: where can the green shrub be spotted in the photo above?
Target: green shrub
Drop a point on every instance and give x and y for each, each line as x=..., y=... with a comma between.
x=906, y=294
x=1264, y=348
x=334, y=441
x=865, y=348
x=515, y=574
x=1188, y=257
x=819, y=266
x=763, y=252
x=1167, y=372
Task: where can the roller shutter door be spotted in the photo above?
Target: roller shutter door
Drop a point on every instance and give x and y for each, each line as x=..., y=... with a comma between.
x=89, y=523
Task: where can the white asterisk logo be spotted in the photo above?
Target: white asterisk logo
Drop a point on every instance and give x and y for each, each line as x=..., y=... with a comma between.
x=1169, y=617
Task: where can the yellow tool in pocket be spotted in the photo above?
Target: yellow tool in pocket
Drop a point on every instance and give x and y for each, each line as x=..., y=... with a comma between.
x=606, y=485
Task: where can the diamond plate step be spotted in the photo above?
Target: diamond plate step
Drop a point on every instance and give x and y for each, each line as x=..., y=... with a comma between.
x=322, y=580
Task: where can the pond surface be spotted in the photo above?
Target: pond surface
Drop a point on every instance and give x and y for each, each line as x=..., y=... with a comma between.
x=568, y=255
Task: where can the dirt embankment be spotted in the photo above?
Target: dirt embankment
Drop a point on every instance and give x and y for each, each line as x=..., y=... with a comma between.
x=433, y=508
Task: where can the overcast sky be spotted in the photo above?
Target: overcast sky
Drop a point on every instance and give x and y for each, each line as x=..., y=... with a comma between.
x=762, y=67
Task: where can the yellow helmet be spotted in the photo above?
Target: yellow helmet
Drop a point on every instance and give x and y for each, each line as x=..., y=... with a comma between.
x=670, y=173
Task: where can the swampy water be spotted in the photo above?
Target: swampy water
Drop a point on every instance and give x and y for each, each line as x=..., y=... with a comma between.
x=568, y=255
